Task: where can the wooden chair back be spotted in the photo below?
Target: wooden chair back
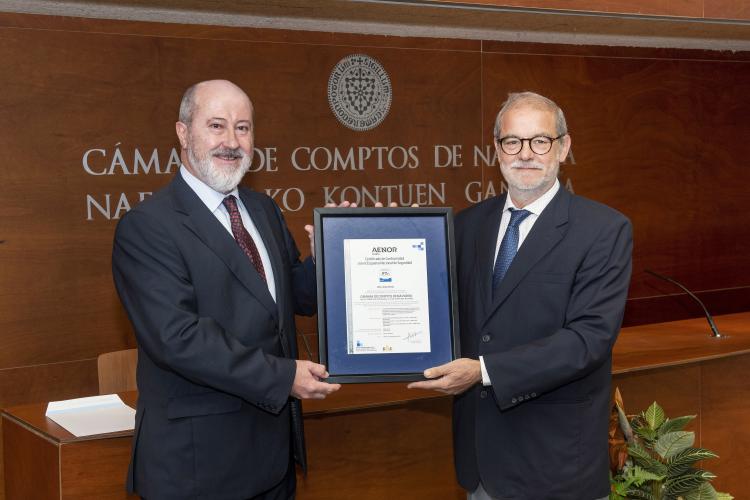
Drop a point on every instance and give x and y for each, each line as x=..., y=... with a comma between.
x=117, y=371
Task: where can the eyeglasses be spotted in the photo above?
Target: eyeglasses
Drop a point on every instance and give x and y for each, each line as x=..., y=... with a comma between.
x=540, y=144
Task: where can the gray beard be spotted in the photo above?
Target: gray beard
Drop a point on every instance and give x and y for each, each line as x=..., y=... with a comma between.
x=216, y=179
x=528, y=187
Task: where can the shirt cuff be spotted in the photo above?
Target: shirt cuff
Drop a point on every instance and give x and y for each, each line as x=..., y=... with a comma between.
x=485, y=376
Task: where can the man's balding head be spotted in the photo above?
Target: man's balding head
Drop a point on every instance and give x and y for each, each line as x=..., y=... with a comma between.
x=189, y=98
x=216, y=133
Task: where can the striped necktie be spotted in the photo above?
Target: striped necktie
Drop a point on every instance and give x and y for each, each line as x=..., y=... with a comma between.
x=508, y=247
x=244, y=240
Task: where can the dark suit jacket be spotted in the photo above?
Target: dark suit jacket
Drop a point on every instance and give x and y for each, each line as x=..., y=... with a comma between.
x=540, y=431
x=214, y=350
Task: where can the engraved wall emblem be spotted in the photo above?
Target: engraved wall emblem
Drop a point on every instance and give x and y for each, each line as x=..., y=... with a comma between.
x=359, y=92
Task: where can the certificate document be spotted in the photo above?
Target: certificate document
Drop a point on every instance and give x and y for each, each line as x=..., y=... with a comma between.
x=386, y=283
x=386, y=296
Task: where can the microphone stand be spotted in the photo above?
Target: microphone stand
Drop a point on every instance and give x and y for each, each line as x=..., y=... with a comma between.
x=714, y=331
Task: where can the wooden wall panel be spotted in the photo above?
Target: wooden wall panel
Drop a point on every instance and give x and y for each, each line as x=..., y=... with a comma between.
x=117, y=95
x=614, y=51
x=413, y=439
x=672, y=305
x=717, y=393
x=657, y=134
x=106, y=458
x=699, y=9
x=676, y=389
x=2, y=463
x=726, y=403
x=116, y=92
x=683, y=8
x=726, y=9
x=45, y=382
x=31, y=455
x=646, y=141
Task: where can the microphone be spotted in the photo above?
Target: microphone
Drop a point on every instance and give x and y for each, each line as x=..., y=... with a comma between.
x=714, y=331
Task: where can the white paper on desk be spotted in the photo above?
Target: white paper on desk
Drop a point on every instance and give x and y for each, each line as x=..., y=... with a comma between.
x=93, y=415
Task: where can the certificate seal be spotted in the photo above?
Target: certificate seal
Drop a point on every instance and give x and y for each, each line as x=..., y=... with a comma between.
x=359, y=92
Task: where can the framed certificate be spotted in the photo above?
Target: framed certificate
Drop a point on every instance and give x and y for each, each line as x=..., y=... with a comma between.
x=387, y=305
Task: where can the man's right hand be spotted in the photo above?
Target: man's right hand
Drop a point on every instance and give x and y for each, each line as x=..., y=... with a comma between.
x=307, y=381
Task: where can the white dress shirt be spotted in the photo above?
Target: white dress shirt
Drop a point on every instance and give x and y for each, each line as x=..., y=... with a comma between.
x=214, y=202
x=536, y=208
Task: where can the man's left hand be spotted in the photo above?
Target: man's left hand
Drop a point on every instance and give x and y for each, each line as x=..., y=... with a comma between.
x=451, y=378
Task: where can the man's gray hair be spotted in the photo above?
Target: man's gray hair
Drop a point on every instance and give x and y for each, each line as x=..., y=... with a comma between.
x=187, y=105
x=535, y=100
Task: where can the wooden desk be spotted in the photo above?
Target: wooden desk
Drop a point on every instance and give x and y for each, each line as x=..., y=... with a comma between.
x=690, y=373
x=659, y=345
x=401, y=439
x=379, y=441
x=44, y=461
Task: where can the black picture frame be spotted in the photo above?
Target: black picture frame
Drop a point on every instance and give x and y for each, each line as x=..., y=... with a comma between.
x=435, y=226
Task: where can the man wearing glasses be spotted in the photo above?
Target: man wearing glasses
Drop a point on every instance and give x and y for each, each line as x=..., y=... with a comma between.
x=543, y=277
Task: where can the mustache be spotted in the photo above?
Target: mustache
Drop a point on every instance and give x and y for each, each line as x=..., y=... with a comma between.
x=526, y=164
x=232, y=153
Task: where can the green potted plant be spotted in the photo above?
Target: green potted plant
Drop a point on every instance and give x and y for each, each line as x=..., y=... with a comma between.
x=652, y=457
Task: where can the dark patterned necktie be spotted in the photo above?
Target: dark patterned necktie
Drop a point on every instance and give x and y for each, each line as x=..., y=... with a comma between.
x=244, y=240
x=508, y=247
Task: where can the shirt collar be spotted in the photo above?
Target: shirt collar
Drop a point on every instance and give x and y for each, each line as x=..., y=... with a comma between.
x=537, y=205
x=209, y=196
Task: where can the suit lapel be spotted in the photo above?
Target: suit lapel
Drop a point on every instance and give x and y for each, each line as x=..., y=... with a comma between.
x=260, y=218
x=199, y=220
x=547, y=231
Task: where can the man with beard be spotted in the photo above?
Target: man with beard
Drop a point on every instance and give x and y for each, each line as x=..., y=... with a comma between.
x=542, y=278
x=211, y=279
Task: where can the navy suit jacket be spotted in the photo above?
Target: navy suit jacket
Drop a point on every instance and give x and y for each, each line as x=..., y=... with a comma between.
x=540, y=430
x=215, y=352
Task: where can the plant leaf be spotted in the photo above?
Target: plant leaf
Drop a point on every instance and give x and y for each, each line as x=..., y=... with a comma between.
x=654, y=415
x=642, y=457
x=724, y=496
x=639, y=475
x=639, y=453
x=703, y=492
x=620, y=489
x=640, y=494
x=688, y=481
x=682, y=461
x=646, y=433
x=672, y=443
x=675, y=424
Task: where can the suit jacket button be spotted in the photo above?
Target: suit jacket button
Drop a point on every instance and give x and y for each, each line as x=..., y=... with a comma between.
x=483, y=393
x=533, y=394
x=514, y=401
x=486, y=338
